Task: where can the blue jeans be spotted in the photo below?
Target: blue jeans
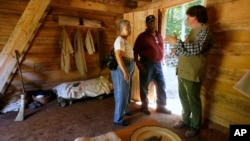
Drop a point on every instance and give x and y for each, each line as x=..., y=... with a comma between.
x=153, y=73
x=122, y=90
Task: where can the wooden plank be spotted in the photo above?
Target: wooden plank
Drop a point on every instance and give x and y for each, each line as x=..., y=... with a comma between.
x=33, y=80
x=160, y=4
x=227, y=7
x=25, y=26
x=89, y=5
x=3, y=40
x=138, y=26
x=46, y=40
x=225, y=108
x=144, y=6
x=230, y=61
x=213, y=71
x=48, y=32
x=172, y=3
x=129, y=16
x=231, y=25
x=13, y=5
x=231, y=48
x=216, y=2
x=226, y=37
x=21, y=37
x=229, y=114
x=218, y=119
x=224, y=105
x=99, y=15
x=5, y=32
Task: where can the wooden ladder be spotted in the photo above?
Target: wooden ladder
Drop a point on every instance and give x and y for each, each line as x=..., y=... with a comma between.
x=20, y=40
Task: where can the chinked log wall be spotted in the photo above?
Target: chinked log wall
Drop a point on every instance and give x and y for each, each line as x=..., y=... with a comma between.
x=228, y=62
x=41, y=65
x=20, y=39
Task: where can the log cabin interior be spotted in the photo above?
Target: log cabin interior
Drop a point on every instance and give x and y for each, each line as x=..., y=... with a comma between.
x=33, y=28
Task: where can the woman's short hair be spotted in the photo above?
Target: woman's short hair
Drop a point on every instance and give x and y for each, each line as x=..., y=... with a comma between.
x=121, y=23
x=198, y=11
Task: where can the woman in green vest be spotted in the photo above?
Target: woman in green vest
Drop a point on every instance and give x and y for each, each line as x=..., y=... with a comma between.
x=191, y=67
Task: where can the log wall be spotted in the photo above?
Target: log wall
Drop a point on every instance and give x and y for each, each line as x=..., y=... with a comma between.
x=227, y=63
x=41, y=66
x=228, y=60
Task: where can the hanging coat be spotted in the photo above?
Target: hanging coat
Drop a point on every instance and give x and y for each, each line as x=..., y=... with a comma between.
x=66, y=51
x=79, y=53
x=89, y=43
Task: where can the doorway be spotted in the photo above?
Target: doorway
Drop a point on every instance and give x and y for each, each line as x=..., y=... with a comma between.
x=169, y=69
x=174, y=22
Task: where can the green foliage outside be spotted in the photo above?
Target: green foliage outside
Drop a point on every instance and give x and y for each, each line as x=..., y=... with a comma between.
x=176, y=16
x=176, y=23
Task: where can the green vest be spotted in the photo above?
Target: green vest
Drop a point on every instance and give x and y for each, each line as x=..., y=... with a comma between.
x=192, y=67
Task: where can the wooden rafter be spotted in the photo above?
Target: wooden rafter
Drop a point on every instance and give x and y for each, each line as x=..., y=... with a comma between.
x=89, y=5
x=20, y=39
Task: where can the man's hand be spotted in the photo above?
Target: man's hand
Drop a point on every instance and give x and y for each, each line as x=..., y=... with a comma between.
x=173, y=51
x=171, y=39
x=141, y=67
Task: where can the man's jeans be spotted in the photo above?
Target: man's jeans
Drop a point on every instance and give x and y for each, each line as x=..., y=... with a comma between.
x=153, y=73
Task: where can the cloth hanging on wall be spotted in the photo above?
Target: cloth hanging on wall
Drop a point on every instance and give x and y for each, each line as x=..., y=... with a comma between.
x=79, y=53
x=89, y=43
x=66, y=51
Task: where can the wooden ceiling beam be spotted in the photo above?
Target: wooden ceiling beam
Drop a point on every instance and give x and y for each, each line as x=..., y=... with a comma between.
x=90, y=5
x=20, y=39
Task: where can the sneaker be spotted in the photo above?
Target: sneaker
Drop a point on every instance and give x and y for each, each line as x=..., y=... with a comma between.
x=163, y=110
x=179, y=125
x=191, y=132
x=145, y=111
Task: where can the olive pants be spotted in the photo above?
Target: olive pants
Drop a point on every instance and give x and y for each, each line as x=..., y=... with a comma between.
x=189, y=93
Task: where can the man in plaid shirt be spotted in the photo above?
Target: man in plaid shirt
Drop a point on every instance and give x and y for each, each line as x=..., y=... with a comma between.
x=191, y=67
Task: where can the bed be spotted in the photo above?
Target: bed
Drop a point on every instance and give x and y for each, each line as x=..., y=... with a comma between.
x=68, y=91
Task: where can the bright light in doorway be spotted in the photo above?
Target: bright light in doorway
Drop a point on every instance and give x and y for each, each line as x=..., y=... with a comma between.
x=173, y=104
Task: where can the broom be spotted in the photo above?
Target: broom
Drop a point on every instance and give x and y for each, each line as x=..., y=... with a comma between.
x=20, y=115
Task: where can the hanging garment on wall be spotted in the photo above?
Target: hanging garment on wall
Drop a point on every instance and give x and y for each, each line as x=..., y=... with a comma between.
x=79, y=53
x=66, y=51
x=89, y=43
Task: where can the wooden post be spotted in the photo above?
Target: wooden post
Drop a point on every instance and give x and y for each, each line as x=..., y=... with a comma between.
x=20, y=38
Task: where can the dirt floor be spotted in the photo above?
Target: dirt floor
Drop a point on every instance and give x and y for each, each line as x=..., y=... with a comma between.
x=92, y=117
x=87, y=117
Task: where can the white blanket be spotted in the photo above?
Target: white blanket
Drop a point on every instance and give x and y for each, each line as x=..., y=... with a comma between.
x=81, y=89
x=110, y=136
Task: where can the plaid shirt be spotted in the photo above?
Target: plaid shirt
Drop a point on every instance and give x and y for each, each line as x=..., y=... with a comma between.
x=202, y=42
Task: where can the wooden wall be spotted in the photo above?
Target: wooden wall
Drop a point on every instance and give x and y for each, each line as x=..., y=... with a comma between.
x=41, y=66
x=137, y=20
x=228, y=60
